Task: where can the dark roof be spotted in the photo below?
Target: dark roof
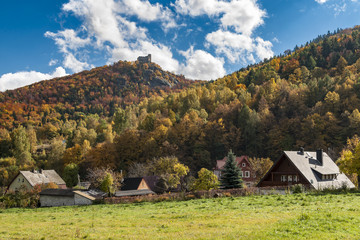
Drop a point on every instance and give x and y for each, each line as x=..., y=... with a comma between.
x=133, y=193
x=131, y=183
x=151, y=181
x=57, y=192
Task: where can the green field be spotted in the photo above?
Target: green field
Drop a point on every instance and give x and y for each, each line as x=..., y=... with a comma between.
x=298, y=216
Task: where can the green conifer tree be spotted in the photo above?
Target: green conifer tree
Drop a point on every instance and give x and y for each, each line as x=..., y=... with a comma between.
x=230, y=177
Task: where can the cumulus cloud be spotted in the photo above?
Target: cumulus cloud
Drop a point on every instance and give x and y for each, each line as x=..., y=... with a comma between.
x=117, y=29
x=231, y=44
x=68, y=41
x=321, y=1
x=10, y=81
x=148, y=12
x=238, y=20
x=202, y=65
x=123, y=39
x=239, y=46
x=263, y=48
x=244, y=16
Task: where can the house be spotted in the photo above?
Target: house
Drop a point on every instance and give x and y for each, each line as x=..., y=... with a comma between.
x=314, y=170
x=134, y=184
x=64, y=197
x=145, y=59
x=29, y=179
x=134, y=187
x=247, y=173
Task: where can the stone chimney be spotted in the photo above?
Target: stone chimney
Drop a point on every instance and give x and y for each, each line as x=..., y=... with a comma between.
x=319, y=156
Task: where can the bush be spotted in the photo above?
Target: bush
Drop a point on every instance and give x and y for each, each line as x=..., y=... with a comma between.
x=298, y=188
x=21, y=199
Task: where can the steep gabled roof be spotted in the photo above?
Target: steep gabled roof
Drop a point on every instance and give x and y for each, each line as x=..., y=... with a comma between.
x=131, y=183
x=308, y=165
x=42, y=177
x=311, y=169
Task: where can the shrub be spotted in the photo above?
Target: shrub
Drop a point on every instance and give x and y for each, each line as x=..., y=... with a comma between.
x=298, y=188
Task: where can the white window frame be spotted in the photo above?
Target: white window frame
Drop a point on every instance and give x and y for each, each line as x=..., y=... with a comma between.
x=290, y=179
x=283, y=178
x=241, y=173
x=247, y=174
x=243, y=164
x=295, y=178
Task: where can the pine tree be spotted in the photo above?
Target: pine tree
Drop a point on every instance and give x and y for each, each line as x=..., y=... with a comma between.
x=230, y=177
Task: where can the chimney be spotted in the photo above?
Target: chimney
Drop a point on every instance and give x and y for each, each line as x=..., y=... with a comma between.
x=319, y=156
x=301, y=151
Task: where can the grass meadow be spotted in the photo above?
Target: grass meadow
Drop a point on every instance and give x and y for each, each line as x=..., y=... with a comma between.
x=298, y=216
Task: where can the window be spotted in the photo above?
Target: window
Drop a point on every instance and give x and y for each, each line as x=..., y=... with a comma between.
x=18, y=179
x=241, y=174
x=290, y=178
x=22, y=180
x=283, y=178
x=296, y=178
x=243, y=164
x=247, y=174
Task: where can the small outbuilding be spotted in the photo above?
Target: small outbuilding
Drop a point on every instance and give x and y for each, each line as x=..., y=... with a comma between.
x=64, y=197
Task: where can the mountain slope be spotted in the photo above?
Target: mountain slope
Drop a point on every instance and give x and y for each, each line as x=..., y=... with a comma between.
x=99, y=91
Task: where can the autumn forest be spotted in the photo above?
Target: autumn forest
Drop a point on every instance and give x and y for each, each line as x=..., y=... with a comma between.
x=124, y=115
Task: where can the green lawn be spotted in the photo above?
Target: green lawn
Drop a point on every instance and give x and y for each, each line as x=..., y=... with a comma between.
x=254, y=217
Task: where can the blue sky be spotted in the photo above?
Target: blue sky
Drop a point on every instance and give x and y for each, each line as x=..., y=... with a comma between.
x=202, y=39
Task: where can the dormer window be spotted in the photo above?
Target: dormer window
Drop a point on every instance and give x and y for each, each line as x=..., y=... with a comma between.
x=243, y=164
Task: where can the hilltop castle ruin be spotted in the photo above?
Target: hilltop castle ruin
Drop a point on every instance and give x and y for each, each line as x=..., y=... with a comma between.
x=145, y=59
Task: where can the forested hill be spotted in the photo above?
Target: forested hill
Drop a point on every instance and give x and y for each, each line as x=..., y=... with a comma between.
x=309, y=97
x=98, y=91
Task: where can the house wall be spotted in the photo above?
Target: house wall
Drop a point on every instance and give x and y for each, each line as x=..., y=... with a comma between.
x=143, y=185
x=80, y=200
x=52, y=201
x=18, y=182
x=286, y=168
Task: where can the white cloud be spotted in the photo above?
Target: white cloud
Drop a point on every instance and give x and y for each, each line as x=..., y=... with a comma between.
x=231, y=44
x=123, y=39
x=239, y=47
x=74, y=64
x=53, y=62
x=10, y=81
x=148, y=12
x=238, y=19
x=244, y=16
x=67, y=40
x=321, y=1
x=115, y=28
x=202, y=65
x=263, y=48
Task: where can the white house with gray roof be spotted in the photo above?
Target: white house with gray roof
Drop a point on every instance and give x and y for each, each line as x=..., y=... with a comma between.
x=313, y=169
x=29, y=179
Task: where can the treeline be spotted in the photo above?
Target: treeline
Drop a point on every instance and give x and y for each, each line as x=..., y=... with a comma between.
x=309, y=98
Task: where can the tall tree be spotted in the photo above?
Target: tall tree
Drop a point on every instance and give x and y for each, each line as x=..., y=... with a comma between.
x=231, y=174
x=21, y=147
x=349, y=161
x=70, y=175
